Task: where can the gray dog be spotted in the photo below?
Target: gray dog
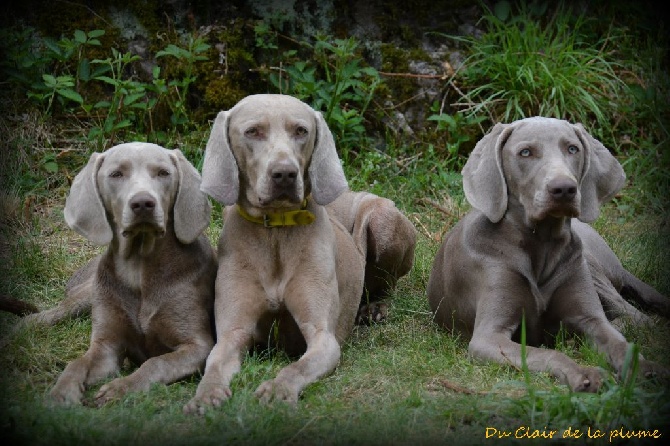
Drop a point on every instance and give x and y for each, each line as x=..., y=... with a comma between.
x=521, y=253
x=291, y=271
x=151, y=293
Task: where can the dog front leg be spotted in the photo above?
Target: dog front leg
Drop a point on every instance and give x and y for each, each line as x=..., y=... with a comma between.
x=608, y=340
x=223, y=362
x=496, y=321
x=237, y=311
x=581, y=310
x=97, y=363
x=500, y=348
x=316, y=322
x=320, y=359
x=166, y=369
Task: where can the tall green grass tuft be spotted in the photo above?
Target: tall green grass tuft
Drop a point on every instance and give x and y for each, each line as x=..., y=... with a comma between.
x=527, y=64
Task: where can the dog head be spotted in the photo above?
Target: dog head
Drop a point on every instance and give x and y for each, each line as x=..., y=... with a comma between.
x=134, y=188
x=271, y=152
x=551, y=167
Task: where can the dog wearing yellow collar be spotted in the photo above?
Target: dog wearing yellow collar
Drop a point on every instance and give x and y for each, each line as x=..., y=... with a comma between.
x=274, y=219
x=289, y=274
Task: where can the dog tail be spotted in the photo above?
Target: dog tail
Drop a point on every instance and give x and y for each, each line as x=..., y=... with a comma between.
x=16, y=306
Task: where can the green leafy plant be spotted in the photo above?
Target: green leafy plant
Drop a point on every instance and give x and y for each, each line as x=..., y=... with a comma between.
x=61, y=87
x=23, y=60
x=66, y=48
x=336, y=84
x=265, y=37
x=456, y=127
x=61, y=69
x=178, y=89
x=643, y=115
x=118, y=111
x=63, y=84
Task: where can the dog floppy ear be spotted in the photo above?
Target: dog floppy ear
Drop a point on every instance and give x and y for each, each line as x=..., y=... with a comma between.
x=603, y=176
x=325, y=171
x=191, y=206
x=84, y=211
x=483, y=179
x=220, y=175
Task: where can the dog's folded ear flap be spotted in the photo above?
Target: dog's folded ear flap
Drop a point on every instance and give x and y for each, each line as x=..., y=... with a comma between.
x=84, y=211
x=602, y=175
x=191, y=207
x=325, y=171
x=220, y=175
x=483, y=179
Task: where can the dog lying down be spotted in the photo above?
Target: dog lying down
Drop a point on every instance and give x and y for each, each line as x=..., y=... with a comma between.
x=151, y=292
x=523, y=252
x=287, y=264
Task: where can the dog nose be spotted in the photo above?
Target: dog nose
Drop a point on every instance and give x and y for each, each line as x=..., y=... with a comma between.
x=142, y=203
x=562, y=189
x=284, y=174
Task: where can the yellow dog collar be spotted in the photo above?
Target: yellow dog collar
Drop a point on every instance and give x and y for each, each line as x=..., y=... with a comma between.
x=279, y=219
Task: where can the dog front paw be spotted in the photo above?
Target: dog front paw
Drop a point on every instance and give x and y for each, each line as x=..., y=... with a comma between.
x=589, y=379
x=112, y=391
x=207, y=396
x=273, y=390
x=650, y=369
x=66, y=395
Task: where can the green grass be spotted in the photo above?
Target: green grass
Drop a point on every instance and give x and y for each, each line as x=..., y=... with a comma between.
x=405, y=381
x=401, y=382
x=529, y=64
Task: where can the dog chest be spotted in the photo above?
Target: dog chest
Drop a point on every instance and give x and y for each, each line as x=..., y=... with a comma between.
x=277, y=263
x=129, y=272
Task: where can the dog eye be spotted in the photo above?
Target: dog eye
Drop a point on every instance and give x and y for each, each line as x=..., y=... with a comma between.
x=301, y=131
x=573, y=149
x=251, y=132
x=525, y=153
x=116, y=174
x=163, y=173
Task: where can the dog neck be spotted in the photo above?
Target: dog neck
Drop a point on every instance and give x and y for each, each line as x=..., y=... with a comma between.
x=548, y=243
x=279, y=218
x=549, y=228
x=552, y=228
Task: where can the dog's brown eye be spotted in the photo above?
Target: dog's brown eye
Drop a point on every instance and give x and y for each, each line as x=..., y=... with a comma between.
x=525, y=153
x=251, y=132
x=116, y=174
x=573, y=149
x=163, y=173
x=301, y=131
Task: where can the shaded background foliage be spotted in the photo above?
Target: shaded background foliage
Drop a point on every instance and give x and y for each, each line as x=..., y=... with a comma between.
x=407, y=88
x=417, y=81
